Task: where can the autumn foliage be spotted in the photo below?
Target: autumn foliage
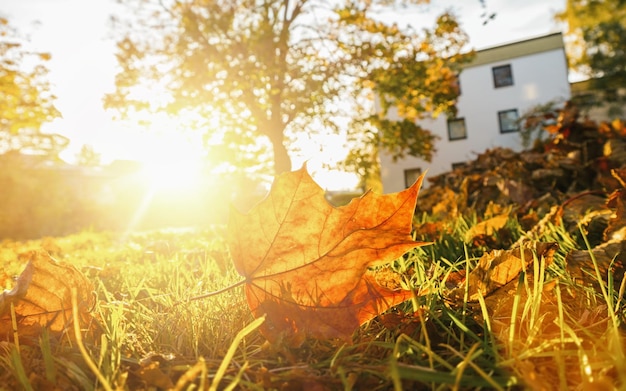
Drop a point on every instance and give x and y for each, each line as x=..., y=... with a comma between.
x=306, y=262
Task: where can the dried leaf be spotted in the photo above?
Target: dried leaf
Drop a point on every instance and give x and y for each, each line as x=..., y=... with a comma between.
x=152, y=375
x=488, y=227
x=517, y=191
x=616, y=229
x=42, y=297
x=432, y=230
x=305, y=261
x=609, y=257
x=499, y=267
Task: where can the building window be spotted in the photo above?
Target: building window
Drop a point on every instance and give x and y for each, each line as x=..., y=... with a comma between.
x=411, y=175
x=502, y=76
x=456, y=129
x=509, y=121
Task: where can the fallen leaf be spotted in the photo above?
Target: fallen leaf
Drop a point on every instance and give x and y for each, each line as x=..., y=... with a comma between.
x=306, y=262
x=608, y=257
x=432, y=230
x=517, y=191
x=42, y=297
x=488, y=227
x=152, y=375
x=616, y=229
x=497, y=268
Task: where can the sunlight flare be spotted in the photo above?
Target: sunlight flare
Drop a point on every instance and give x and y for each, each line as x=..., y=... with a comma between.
x=176, y=173
x=173, y=161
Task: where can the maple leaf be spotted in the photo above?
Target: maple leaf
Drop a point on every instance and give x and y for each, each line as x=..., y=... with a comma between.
x=306, y=262
x=42, y=297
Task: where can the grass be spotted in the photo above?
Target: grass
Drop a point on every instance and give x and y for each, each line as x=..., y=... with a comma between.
x=542, y=330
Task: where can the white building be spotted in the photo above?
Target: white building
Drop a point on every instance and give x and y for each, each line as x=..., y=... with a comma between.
x=499, y=86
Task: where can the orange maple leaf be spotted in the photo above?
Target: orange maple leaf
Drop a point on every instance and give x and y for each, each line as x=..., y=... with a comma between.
x=305, y=261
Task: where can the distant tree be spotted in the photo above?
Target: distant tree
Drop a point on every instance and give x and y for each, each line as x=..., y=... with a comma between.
x=597, y=33
x=26, y=101
x=88, y=157
x=280, y=68
x=422, y=82
x=47, y=146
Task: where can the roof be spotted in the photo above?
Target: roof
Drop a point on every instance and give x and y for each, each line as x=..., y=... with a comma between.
x=518, y=49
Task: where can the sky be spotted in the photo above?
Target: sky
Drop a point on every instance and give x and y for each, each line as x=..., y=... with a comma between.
x=78, y=35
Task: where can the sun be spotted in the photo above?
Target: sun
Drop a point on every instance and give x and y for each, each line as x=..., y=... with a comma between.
x=176, y=172
x=172, y=163
x=174, y=178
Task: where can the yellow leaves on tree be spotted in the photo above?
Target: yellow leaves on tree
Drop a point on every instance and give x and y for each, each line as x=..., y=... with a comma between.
x=306, y=262
x=27, y=100
x=42, y=297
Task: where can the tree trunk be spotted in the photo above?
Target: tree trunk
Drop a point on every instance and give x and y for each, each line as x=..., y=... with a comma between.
x=282, y=161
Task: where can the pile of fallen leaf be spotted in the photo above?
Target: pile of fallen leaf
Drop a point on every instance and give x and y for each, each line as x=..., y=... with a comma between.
x=576, y=176
x=580, y=158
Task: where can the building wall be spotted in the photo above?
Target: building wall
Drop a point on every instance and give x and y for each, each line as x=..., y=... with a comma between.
x=539, y=71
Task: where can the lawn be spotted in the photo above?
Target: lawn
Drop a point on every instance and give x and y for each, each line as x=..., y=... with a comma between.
x=552, y=327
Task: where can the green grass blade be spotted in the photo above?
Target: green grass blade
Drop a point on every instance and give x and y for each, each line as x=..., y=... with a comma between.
x=48, y=359
x=18, y=367
x=231, y=351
